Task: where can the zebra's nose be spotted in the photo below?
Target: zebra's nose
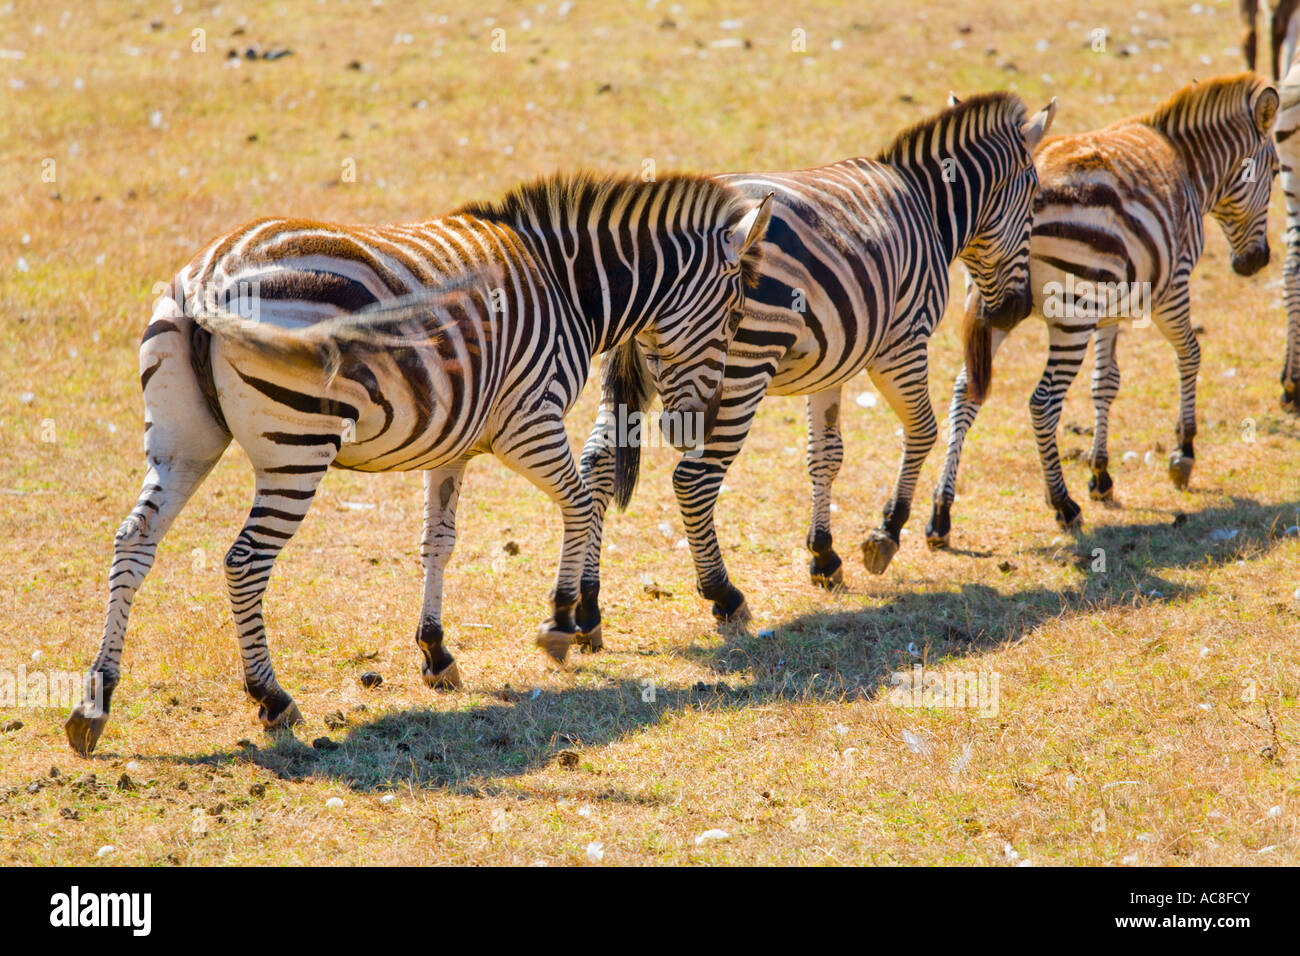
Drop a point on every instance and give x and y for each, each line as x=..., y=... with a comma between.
x=1250, y=262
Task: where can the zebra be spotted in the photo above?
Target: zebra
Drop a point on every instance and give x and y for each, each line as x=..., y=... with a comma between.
x=854, y=275
x=1121, y=210
x=418, y=347
x=1284, y=33
x=1288, y=148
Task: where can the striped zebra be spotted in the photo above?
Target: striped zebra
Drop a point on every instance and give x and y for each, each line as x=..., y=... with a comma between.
x=1288, y=148
x=1283, y=33
x=1118, y=229
x=418, y=347
x=854, y=275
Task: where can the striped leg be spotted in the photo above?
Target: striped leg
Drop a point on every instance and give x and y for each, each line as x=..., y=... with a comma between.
x=1105, y=385
x=540, y=452
x=697, y=480
x=441, y=493
x=825, y=455
x=1065, y=355
x=597, y=467
x=961, y=416
x=906, y=387
x=281, y=498
x=1249, y=10
x=182, y=442
x=1291, y=284
x=1173, y=319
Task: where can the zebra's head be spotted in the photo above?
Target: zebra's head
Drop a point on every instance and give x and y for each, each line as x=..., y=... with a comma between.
x=685, y=345
x=996, y=254
x=1241, y=209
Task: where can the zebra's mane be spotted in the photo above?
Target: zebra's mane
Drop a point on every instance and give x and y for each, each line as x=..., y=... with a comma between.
x=559, y=201
x=1206, y=104
x=981, y=113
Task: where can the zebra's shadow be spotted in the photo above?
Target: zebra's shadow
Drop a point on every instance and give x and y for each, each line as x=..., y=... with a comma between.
x=823, y=656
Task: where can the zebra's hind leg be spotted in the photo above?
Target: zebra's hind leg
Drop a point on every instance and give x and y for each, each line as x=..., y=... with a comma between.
x=1064, y=358
x=167, y=487
x=281, y=498
x=597, y=471
x=539, y=450
x=182, y=441
x=961, y=416
x=1291, y=291
x=1173, y=320
x=905, y=385
x=441, y=493
x=825, y=454
x=1105, y=385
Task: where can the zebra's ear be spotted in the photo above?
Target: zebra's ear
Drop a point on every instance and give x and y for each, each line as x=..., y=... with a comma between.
x=1039, y=124
x=1264, y=109
x=952, y=99
x=749, y=230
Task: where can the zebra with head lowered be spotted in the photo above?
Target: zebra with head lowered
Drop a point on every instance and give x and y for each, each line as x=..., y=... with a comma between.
x=1119, y=226
x=854, y=276
x=475, y=335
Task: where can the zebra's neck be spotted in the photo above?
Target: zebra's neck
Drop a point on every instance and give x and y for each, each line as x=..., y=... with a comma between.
x=946, y=191
x=1208, y=170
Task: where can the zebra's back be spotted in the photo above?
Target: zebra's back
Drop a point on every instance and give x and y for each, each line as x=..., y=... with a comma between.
x=841, y=259
x=1114, y=207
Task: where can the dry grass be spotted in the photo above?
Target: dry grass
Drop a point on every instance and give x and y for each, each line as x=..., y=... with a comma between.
x=1125, y=731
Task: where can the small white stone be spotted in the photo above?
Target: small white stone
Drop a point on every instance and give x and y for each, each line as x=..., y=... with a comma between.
x=595, y=852
x=334, y=802
x=388, y=798
x=104, y=851
x=710, y=835
x=867, y=400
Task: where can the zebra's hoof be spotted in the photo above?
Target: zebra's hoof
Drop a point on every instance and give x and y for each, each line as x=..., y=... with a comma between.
x=288, y=716
x=446, y=679
x=738, y=615
x=1180, y=469
x=556, y=644
x=829, y=575
x=1101, y=487
x=1069, y=515
x=589, y=642
x=940, y=526
x=936, y=542
x=878, y=550
x=83, y=727
x=1291, y=398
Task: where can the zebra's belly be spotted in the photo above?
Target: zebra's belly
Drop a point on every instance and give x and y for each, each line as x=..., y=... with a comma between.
x=824, y=355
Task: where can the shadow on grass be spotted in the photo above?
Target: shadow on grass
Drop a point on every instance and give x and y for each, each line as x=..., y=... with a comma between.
x=839, y=655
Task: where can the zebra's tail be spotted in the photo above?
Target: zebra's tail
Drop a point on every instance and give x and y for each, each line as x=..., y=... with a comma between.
x=414, y=321
x=626, y=387
x=977, y=337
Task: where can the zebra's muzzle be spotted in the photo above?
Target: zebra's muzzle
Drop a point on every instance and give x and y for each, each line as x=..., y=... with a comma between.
x=1248, y=263
x=1008, y=313
x=687, y=430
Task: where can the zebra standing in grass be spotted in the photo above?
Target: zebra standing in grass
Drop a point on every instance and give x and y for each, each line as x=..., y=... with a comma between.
x=1121, y=211
x=1288, y=148
x=476, y=335
x=855, y=275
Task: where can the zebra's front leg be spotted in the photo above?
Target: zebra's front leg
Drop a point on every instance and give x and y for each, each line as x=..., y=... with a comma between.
x=597, y=472
x=1105, y=386
x=539, y=450
x=825, y=455
x=281, y=498
x=441, y=494
x=1065, y=355
x=961, y=416
x=905, y=385
x=1172, y=318
x=1291, y=294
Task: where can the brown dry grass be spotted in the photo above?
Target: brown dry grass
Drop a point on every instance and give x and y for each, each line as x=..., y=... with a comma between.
x=1125, y=731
